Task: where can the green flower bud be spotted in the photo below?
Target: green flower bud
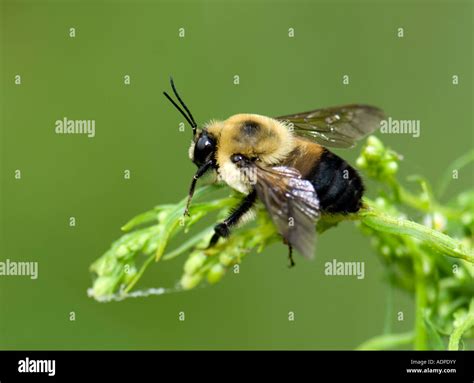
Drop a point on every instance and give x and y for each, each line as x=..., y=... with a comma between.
x=194, y=262
x=361, y=162
x=122, y=251
x=106, y=265
x=375, y=142
x=439, y=221
x=104, y=286
x=188, y=282
x=129, y=273
x=137, y=242
x=226, y=259
x=380, y=202
x=373, y=153
x=162, y=215
x=390, y=168
x=216, y=273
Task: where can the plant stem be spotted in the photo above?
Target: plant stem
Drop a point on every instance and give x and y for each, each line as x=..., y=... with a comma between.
x=421, y=299
x=457, y=333
x=439, y=241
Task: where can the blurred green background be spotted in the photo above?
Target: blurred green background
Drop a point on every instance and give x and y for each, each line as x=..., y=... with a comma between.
x=136, y=129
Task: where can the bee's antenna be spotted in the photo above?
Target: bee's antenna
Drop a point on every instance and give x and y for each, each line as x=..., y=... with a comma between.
x=189, y=117
x=193, y=124
x=181, y=101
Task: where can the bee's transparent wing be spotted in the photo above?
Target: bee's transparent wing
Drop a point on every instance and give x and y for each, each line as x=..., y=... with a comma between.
x=339, y=127
x=292, y=204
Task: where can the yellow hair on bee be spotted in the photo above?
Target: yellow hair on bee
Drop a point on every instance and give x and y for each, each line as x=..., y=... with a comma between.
x=256, y=137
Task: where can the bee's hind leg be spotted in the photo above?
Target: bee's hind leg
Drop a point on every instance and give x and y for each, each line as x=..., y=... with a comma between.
x=290, y=253
x=290, y=256
x=223, y=229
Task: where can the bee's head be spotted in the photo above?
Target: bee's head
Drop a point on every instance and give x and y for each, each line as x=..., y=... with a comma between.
x=202, y=148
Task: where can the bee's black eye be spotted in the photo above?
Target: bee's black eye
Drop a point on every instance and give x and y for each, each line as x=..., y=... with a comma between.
x=204, y=148
x=236, y=158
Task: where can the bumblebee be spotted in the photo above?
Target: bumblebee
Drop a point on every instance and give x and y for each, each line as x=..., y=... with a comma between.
x=284, y=163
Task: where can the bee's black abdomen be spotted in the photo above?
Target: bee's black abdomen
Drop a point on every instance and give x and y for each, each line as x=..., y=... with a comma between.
x=338, y=185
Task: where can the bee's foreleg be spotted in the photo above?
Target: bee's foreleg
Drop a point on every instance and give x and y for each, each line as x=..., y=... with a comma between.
x=223, y=229
x=200, y=172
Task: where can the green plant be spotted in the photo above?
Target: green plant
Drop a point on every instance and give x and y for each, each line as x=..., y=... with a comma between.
x=432, y=260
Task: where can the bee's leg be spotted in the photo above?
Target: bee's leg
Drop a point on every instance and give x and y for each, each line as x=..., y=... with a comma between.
x=290, y=253
x=290, y=256
x=200, y=172
x=223, y=229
